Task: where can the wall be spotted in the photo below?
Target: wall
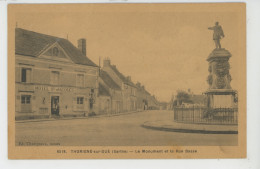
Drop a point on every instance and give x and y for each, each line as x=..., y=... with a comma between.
x=41, y=90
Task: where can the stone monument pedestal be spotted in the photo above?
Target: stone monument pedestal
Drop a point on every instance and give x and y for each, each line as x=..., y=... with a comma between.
x=220, y=93
x=220, y=98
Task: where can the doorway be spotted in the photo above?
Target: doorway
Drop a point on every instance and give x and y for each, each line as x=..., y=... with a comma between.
x=55, y=105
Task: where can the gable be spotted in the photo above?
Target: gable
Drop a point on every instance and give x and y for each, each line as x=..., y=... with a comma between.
x=108, y=80
x=55, y=52
x=122, y=77
x=102, y=90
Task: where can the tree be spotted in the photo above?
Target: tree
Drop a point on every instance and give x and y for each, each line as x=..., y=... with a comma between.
x=183, y=96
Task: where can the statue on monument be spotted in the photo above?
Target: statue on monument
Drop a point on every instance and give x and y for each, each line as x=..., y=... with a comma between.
x=218, y=33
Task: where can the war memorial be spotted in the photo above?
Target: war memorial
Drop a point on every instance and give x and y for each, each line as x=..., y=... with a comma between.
x=220, y=106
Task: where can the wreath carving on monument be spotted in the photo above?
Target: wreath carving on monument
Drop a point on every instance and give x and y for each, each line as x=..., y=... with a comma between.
x=221, y=82
x=222, y=68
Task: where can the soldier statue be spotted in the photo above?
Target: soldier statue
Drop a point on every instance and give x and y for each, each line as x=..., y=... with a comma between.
x=218, y=33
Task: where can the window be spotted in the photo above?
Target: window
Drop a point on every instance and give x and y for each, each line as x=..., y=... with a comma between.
x=55, y=51
x=26, y=75
x=55, y=77
x=26, y=99
x=80, y=100
x=80, y=80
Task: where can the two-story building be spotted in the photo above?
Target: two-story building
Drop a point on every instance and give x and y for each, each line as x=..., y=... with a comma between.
x=128, y=88
x=52, y=77
x=153, y=103
x=110, y=95
x=142, y=97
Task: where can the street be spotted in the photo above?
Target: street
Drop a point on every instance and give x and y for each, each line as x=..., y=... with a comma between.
x=122, y=130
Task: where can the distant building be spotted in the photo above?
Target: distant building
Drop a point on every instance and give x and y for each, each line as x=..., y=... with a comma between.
x=104, y=100
x=163, y=105
x=187, y=99
x=171, y=102
x=145, y=101
x=110, y=95
x=128, y=88
x=153, y=103
x=142, y=97
x=196, y=100
x=52, y=77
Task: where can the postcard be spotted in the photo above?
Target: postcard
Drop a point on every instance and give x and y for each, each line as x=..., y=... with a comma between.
x=127, y=81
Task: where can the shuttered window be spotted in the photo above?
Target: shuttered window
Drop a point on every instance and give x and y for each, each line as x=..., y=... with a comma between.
x=80, y=103
x=26, y=75
x=26, y=99
x=80, y=100
x=80, y=80
x=55, y=77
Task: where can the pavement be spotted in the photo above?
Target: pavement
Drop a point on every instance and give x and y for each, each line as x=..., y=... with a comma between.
x=191, y=128
x=118, y=130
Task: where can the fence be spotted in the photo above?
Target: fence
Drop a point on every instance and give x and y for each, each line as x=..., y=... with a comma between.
x=206, y=115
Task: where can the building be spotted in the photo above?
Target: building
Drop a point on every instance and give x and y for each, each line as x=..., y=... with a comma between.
x=110, y=95
x=53, y=77
x=153, y=103
x=128, y=88
x=142, y=97
x=145, y=100
x=171, y=102
x=198, y=100
x=104, y=100
x=163, y=105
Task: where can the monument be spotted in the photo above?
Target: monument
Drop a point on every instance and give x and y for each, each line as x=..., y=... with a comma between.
x=219, y=94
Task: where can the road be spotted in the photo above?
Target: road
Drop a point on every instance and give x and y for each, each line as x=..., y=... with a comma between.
x=122, y=130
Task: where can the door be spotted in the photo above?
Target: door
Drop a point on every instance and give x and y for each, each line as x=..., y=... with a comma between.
x=55, y=106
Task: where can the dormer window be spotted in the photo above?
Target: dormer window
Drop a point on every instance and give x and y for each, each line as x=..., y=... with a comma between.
x=55, y=51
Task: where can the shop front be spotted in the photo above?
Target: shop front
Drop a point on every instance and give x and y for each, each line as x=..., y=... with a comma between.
x=42, y=101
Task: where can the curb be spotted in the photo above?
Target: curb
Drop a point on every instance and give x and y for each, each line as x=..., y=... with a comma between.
x=189, y=130
x=73, y=118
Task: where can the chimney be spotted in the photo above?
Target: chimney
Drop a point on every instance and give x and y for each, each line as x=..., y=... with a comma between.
x=128, y=78
x=138, y=84
x=106, y=62
x=82, y=45
x=143, y=87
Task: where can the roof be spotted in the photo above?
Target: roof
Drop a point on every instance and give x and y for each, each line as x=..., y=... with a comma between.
x=102, y=90
x=122, y=77
x=147, y=92
x=141, y=88
x=108, y=80
x=198, y=99
x=31, y=43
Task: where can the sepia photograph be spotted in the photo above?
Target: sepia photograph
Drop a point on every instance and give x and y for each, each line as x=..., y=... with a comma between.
x=127, y=80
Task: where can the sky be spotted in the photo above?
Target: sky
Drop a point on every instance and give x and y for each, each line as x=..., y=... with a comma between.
x=164, y=47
